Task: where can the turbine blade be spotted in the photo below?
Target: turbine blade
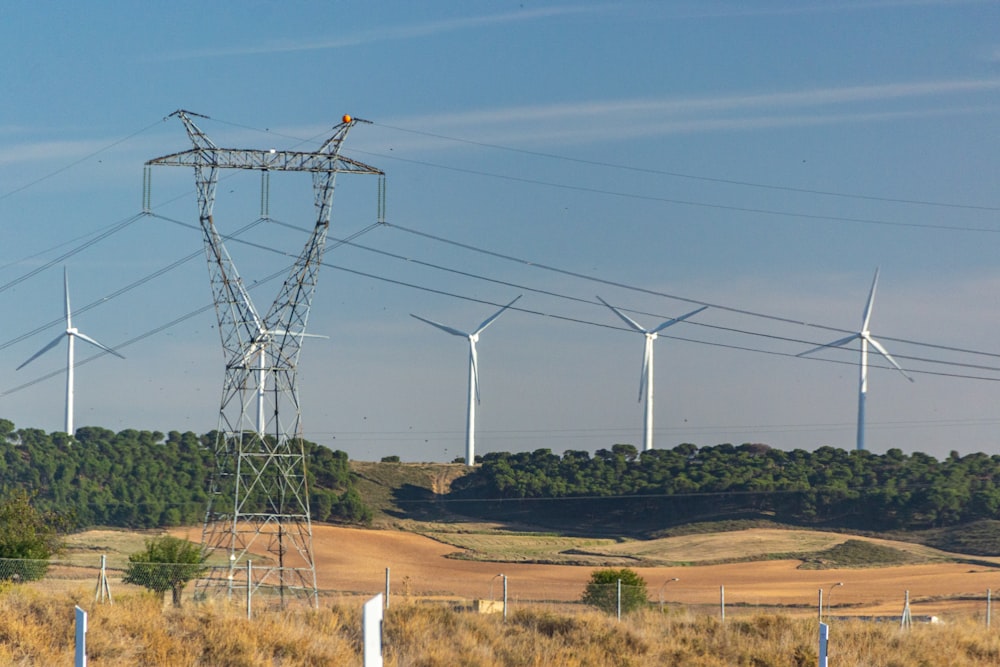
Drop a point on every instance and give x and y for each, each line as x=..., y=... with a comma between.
x=293, y=334
x=42, y=351
x=442, y=327
x=836, y=343
x=881, y=350
x=625, y=318
x=85, y=337
x=474, y=360
x=871, y=301
x=677, y=319
x=67, y=311
x=488, y=321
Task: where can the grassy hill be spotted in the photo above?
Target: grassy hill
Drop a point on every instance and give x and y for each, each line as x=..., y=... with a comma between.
x=401, y=492
x=411, y=496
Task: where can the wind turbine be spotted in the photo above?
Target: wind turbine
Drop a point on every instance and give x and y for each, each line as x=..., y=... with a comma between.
x=470, y=425
x=71, y=334
x=256, y=359
x=866, y=339
x=646, y=379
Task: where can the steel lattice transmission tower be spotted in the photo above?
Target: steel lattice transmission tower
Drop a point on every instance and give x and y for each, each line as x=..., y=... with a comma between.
x=259, y=504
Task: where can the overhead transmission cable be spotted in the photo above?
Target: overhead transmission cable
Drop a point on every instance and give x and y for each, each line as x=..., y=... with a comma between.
x=372, y=226
x=667, y=200
x=574, y=274
x=676, y=297
x=81, y=160
x=178, y=320
x=127, y=288
x=583, y=321
x=568, y=297
x=695, y=177
x=686, y=202
x=113, y=229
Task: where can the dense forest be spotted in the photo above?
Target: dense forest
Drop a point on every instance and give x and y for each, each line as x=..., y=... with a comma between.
x=144, y=479
x=827, y=487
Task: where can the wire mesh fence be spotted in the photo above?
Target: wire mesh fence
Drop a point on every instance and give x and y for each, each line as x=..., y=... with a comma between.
x=184, y=581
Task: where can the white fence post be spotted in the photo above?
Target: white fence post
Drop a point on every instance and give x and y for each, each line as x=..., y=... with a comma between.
x=619, y=599
x=505, y=598
x=722, y=602
x=371, y=630
x=81, y=638
x=103, y=589
x=249, y=588
x=906, y=620
x=824, y=644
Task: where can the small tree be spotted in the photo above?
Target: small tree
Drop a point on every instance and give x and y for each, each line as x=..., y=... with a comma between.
x=166, y=564
x=602, y=590
x=27, y=536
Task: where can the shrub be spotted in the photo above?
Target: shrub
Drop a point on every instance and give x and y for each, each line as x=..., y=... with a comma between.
x=27, y=537
x=602, y=590
x=166, y=564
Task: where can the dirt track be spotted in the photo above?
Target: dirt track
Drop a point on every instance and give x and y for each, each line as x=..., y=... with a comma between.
x=354, y=560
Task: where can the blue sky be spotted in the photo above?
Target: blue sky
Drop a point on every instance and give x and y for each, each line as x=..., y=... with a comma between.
x=762, y=157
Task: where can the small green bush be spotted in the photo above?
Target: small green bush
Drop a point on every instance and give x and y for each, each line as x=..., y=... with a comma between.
x=602, y=590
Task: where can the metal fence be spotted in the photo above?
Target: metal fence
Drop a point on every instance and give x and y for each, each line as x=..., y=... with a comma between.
x=832, y=603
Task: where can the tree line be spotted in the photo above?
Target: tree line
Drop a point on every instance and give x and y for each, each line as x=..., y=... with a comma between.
x=145, y=479
x=827, y=487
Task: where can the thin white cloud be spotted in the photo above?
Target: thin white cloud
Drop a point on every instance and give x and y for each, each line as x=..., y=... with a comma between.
x=43, y=151
x=701, y=104
x=646, y=117
x=705, y=10
x=391, y=33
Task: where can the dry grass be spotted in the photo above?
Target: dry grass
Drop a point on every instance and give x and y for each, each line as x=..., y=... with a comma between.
x=38, y=630
x=695, y=549
x=521, y=547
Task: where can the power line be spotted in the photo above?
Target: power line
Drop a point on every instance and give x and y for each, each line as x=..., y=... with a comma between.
x=113, y=229
x=686, y=202
x=675, y=174
x=690, y=300
x=372, y=226
x=568, y=297
x=79, y=161
x=608, y=326
x=667, y=200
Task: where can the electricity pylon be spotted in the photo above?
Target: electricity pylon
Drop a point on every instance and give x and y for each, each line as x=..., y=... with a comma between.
x=259, y=504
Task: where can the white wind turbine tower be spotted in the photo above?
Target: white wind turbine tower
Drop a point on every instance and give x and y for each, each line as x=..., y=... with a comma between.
x=71, y=334
x=646, y=379
x=470, y=425
x=866, y=339
x=256, y=359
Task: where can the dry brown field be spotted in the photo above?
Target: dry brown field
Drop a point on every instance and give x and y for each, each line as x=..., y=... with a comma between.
x=354, y=560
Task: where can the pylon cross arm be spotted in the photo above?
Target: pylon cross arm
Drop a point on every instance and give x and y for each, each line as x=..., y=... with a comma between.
x=265, y=160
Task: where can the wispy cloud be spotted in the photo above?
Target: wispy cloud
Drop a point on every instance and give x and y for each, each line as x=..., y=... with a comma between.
x=705, y=10
x=636, y=117
x=701, y=104
x=43, y=151
x=389, y=33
